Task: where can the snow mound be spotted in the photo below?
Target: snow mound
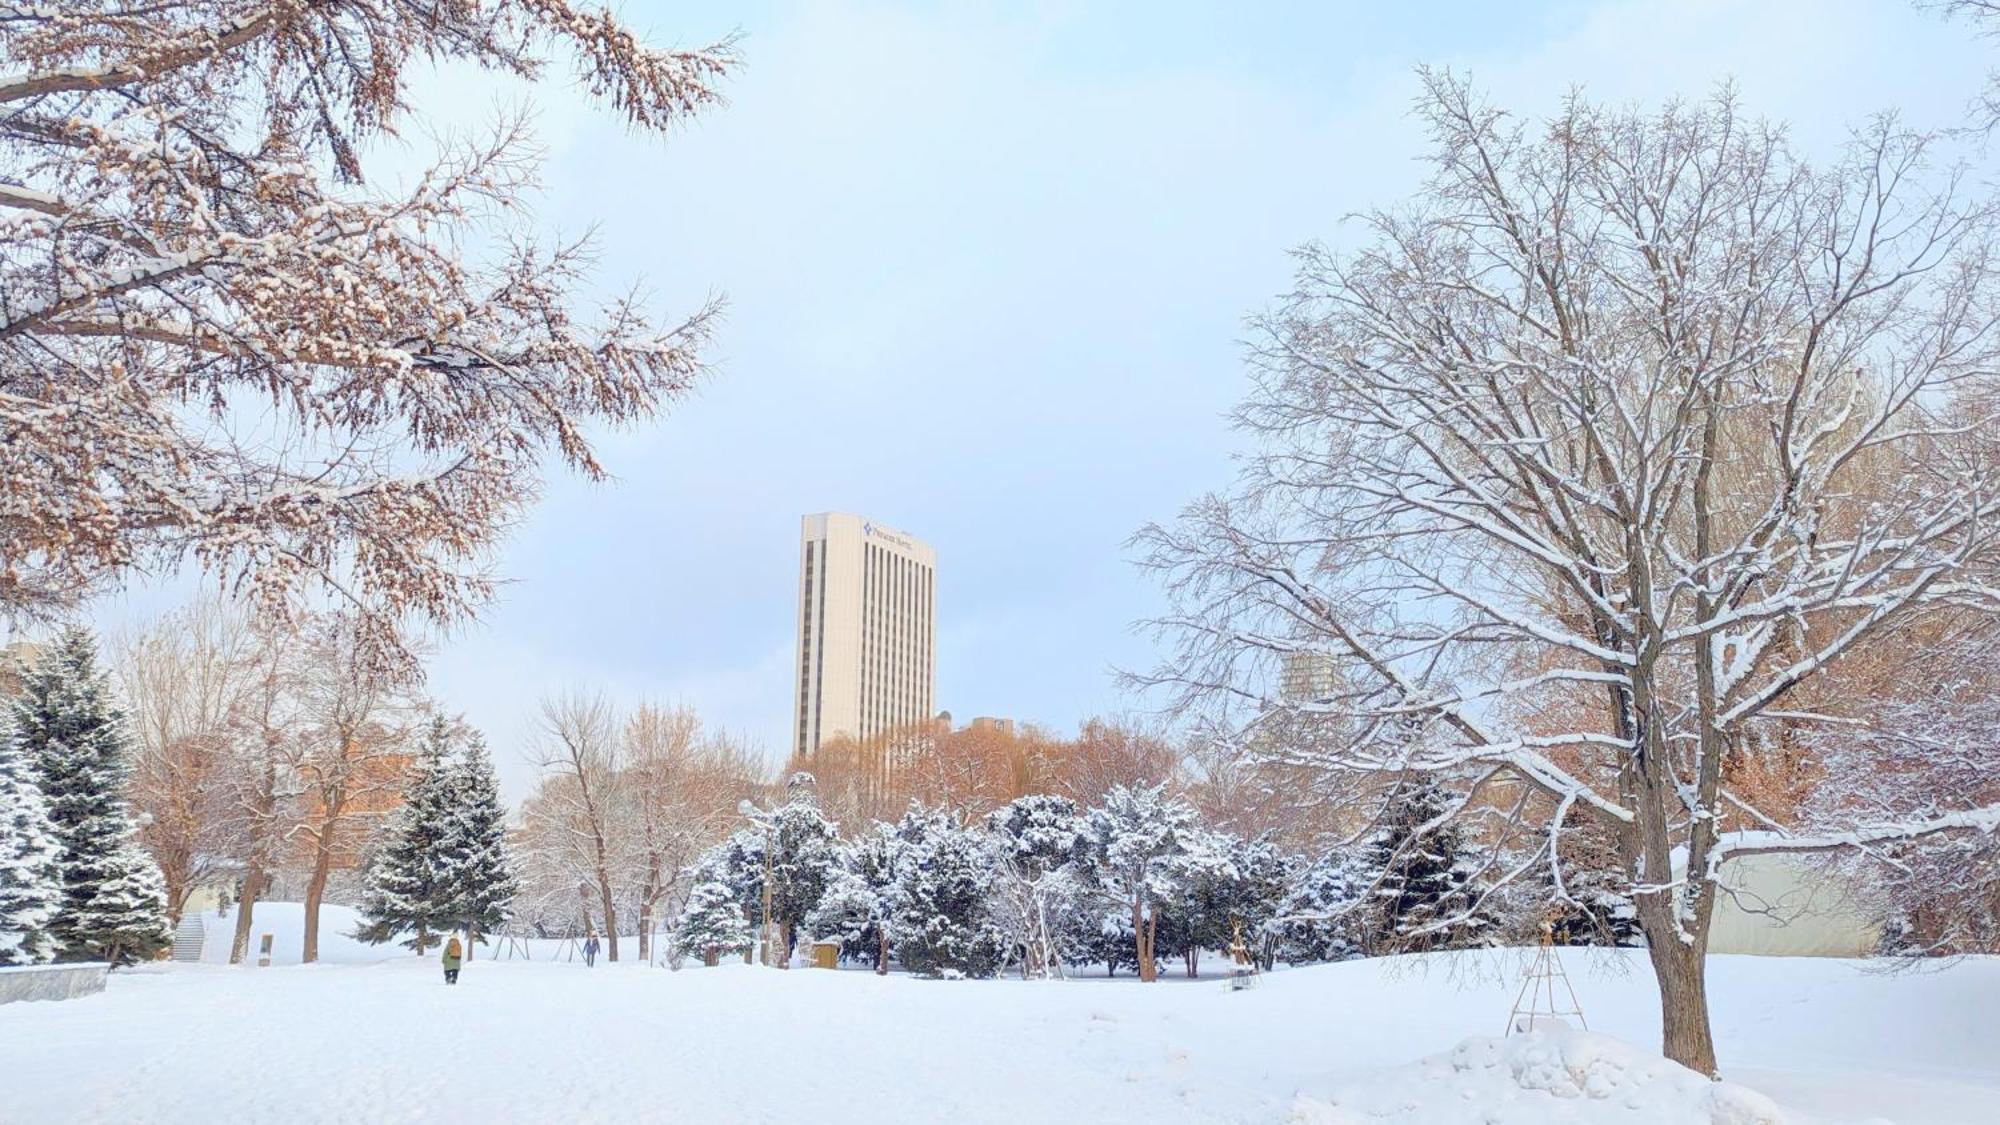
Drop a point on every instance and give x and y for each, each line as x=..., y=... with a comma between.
x=286, y=923
x=1551, y=1076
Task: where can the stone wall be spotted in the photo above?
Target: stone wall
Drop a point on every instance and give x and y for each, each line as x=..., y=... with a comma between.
x=51, y=982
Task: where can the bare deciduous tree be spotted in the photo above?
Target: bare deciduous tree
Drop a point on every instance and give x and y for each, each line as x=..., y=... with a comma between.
x=263, y=798
x=573, y=817
x=349, y=754
x=679, y=790
x=184, y=679
x=1559, y=466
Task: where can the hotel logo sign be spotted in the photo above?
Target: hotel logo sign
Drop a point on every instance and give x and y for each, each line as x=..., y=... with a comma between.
x=870, y=531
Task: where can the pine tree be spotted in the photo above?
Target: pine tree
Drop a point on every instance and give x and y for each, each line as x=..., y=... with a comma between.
x=478, y=883
x=805, y=856
x=1219, y=885
x=1426, y=892
x=1133, y=836
x=713, y=924
x=854, y=908
x=406, y=890
x=852, y=913
x=30, y=868
x=939, y=916
x=1040, y=886
x=66, y=724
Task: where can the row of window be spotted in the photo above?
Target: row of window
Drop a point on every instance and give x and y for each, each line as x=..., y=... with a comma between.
x=897, y=597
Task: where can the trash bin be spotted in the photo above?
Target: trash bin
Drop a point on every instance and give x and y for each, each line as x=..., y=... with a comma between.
x=826, y=955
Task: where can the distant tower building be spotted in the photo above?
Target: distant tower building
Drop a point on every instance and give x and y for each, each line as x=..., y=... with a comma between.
x=1307, y=675
x=867, y=630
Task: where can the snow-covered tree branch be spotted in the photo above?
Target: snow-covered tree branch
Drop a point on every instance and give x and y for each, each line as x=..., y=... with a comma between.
x=219, y=344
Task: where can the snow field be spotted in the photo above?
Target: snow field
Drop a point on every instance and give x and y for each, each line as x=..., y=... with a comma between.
x=553, y=1041
x=1551, y=1077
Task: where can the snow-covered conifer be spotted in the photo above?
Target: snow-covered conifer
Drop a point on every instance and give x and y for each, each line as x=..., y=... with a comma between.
x=407, y=891
x=477, y=879
x=940, y=917
x=851, y=913
x=854, y=909
x=30, y=872
x=1594, y=905
x=712, y=924
x=66, y=724
x=1219, y=887
x=1426, y=889
x=805, y=856
x=1322, y=914
x=1039, y=886
x=1133, y=835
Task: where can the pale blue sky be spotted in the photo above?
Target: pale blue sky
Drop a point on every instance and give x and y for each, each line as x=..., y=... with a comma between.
x=987, y=268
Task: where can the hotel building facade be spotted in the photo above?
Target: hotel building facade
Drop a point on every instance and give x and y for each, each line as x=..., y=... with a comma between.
x=867, y=652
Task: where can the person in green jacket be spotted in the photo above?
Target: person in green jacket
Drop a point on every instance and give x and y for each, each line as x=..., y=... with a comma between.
x=453, y=954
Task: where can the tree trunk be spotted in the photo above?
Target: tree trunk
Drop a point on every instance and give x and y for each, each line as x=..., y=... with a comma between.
x=178, y=892
x=610, y=917
x=1193, y=957
x=1142, y=937
x=1683, y=978
x=316, y=892
x=646, y=933
x=882, y=957
x=246, y=905
x=785, y=945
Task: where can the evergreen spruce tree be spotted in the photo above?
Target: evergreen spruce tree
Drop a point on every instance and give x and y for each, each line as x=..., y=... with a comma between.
x=1595, y=904
x=478, y=884
x=1426, y=884
x=1321, y=917
x=406, y=890
x=66, y=724
x=713, y=925
x=30, y=868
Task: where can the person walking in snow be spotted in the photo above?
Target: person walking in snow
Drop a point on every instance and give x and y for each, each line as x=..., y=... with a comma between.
x=590, y=951
x=454, y=955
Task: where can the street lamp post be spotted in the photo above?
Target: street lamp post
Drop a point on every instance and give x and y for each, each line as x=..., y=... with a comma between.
x=746, y=808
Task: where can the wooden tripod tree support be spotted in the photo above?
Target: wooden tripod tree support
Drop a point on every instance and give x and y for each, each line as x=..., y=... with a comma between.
x=1243, y=966
x=1538, y=1003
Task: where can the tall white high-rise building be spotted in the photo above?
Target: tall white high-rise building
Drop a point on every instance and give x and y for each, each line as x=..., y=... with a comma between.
x=867, y=630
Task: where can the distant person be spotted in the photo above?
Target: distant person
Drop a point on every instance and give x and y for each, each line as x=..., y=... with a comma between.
x=590, y=952
x=454, y=955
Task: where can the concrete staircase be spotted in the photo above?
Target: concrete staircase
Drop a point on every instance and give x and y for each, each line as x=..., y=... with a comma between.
x=188, y=937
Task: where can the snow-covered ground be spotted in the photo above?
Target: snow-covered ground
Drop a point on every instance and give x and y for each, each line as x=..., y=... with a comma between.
x=554, y=1041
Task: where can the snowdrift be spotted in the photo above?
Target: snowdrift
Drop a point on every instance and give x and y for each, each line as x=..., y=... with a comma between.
x=286, y=923
x=1551, y=1076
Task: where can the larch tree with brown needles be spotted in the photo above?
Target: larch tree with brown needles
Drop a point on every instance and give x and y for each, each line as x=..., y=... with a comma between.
x=220, y=343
